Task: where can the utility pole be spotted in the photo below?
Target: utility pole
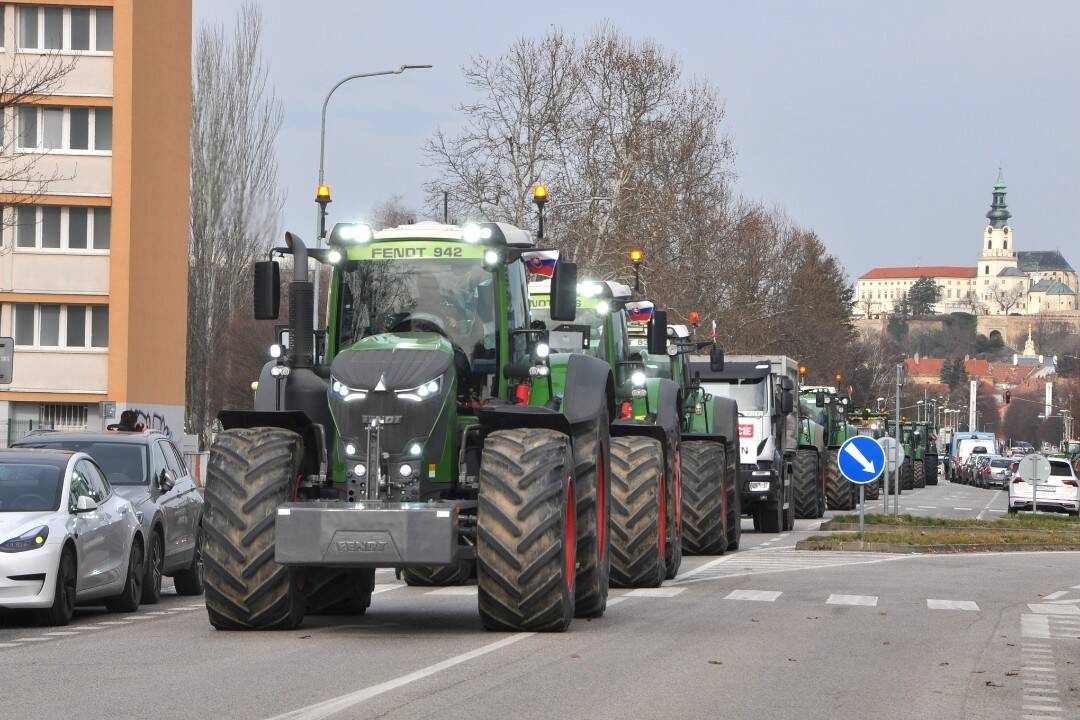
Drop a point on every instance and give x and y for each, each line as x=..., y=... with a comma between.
x=972, y=420
x=896, y=470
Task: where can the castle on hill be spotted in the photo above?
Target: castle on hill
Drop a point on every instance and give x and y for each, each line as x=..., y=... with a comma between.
x=1005, y=281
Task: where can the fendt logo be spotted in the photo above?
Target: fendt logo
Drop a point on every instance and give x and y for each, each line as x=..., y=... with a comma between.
x=384, y=419
x=362, y=546
x=746, y=431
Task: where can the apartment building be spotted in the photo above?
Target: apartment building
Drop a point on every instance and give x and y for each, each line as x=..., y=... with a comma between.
x=94, y=194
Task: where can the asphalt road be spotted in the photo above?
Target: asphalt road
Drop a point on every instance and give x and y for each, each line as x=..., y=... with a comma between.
x=767, y=632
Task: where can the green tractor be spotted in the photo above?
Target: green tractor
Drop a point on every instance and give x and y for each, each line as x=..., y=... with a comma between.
x=710, y=509
x=872, y=423
x=811, y=458
x=925, y=455
x=908, y=477
x=646, y=539
x=427, y=436
x=833, y=411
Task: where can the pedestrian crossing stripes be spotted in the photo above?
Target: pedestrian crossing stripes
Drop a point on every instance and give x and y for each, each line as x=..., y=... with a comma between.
x=1049, y=627
x=778, y=560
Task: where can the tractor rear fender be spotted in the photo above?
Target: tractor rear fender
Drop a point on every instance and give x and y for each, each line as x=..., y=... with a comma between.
x=312, y=434
x=668, y=426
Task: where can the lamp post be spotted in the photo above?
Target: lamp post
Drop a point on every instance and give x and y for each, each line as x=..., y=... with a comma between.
x=322, y=192
x=637, y=256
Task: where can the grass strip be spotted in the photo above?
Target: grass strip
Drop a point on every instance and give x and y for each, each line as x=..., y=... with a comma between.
x=1020, y=521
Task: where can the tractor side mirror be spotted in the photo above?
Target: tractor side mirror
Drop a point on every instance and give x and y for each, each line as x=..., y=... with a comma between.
x=716, y=359
x=267, y=290
x=564, y=292
x=658, y=333
x=819, y=398
x=787, y=402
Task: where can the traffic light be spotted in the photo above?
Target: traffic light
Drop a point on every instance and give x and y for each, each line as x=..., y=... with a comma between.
x=1008, y=396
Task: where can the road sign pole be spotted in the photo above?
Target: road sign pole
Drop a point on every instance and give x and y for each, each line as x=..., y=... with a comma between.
x=896, y=477
x=862, y=510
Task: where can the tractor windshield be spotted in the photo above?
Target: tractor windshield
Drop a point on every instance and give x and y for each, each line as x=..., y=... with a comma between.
x=585, y=316
x=748, y=393
x=452, y=297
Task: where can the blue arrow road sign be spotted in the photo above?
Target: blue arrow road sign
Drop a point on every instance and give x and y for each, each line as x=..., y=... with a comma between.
x=861, y=459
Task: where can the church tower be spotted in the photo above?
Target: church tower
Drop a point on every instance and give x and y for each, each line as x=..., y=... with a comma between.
x=997, y=269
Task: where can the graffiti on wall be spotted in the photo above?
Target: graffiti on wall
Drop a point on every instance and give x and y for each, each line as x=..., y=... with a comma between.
x=152, y=421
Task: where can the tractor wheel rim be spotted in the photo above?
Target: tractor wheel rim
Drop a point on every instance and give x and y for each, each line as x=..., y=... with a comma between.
x=662, y=520
x=570, y=538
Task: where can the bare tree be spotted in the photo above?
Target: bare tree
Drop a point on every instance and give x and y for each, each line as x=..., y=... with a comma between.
x=393, y=212
x=235, y=204
x=24, y=81
x=1006, y=297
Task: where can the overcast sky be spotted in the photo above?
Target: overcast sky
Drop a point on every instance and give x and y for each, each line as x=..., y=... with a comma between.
x=879, y=125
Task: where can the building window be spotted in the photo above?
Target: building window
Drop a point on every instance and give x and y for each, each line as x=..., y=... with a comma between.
x=63, y=416
x=74, y=29
x=987, y=270
x=1005, y=244
x=79, y=129
x=75, y=327
x=52, y=227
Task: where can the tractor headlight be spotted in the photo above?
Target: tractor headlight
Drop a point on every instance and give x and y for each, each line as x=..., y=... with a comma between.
x=638, y=379
x=27, y=541
x=350, y=449
x=492, y=258
x=279, y=371
x=359, y=471
x=352, y=233
x=348, y=394
x=423, y=391
x=603, y=307
x=473, y=233
x=333, y=257
x=275, y=351
x=405, y=470
x=415, y=449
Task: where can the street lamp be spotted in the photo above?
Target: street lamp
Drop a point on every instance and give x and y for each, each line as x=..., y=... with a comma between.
x=637, y=256
x=322, y=193
x=919, y=410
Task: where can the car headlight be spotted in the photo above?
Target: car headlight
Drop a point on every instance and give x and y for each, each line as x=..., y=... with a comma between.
x=423, y=391
x=346, y=393
x=27, y=541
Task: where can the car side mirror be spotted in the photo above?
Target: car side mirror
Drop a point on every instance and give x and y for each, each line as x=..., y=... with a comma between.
x=85, y=503
x=657, y=337
x=267, y=290
x=787, y=402
x=716, y=359
x=167, y=482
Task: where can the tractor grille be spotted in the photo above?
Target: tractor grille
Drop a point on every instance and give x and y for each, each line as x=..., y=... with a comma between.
x=403, y=420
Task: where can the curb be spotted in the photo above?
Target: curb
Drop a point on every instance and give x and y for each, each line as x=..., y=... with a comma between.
x=830, y=525
x=857, y=546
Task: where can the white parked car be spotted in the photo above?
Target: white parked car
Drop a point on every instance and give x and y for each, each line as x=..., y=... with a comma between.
x=65, y=536
x=1060, y=493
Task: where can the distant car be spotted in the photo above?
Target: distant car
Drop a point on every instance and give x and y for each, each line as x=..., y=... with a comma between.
x=997, y=471
x=967, y=469
x=1060, y=493
x=981, y=472
x=147, y=469
x=65, y=536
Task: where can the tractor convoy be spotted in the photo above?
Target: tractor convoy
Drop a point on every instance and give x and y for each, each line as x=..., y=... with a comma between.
x=473, y=411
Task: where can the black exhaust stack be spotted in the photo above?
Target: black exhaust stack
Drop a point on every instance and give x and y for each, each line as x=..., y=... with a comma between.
x=301, y=307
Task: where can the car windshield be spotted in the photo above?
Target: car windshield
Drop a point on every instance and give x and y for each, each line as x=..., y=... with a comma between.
x=123, y=463
x=449, y=296
x=585, y=316
x=748, y=393
x=30, y=487
x=1002, y=463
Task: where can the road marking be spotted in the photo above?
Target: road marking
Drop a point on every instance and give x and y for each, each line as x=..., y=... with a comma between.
x=11, y=644
x=62, y=632
x=867, y=600
x=952, y=605
x=386, y=587
x=137, y=617
x=1035, y=626
x=616, y=600
x=1037, y=669
x=956, y=508
x=1049, y=609
x=462, y=590
x=993, y=498
x=325, y=709
x=660, y=592
x=755, y=595
x=1058, y=594
x=32, y=639
x=927, y=507
x=114, y=622
x=90, y=627
x=780, y=559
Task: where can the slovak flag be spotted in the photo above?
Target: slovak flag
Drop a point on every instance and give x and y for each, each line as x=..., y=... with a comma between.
x=714, y=328
x=641, y=311
x=540, y=262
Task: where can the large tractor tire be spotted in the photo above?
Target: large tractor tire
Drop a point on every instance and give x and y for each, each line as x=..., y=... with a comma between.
x=734, y=504
x=638, y=522
x=673, y=509
x=873, y=490
x=526, y=532
x=593, y=495
x=703, y=502
x=339, y=592
x=837, y=487
x=931, y=462
x=250, y=473
x=907, y=475
x=438, y=575
x=918, y=474
x=806, y=484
